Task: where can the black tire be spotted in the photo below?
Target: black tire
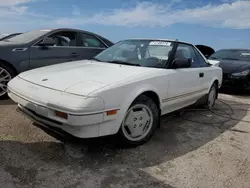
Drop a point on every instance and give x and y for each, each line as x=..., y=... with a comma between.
x=12, y=73
x=123, y=140
x=208, y=105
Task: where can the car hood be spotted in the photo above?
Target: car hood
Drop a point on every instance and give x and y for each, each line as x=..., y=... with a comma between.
x=81, y=77
x=232, y=66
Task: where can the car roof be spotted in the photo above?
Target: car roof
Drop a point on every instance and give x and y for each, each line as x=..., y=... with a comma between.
x=70, y=29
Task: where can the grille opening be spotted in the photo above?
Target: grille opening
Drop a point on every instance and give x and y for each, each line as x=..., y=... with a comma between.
x=42, y=117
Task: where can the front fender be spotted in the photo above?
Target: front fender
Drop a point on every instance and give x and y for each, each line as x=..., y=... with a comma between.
x=131, y=98
x=138, y=91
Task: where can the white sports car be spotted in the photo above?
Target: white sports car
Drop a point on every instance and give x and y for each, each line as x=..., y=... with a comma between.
x=123, y=90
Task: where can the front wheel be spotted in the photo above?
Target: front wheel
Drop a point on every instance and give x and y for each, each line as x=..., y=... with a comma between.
x=140, y=122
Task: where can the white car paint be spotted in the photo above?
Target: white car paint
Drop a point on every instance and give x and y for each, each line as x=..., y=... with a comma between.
x=214, y=62
x=87, y=89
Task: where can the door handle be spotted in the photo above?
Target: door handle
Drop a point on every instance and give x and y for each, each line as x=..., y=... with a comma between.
x=201, y=74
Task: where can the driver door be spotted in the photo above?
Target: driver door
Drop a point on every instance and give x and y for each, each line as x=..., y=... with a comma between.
x=65, y=49
x=184, y=83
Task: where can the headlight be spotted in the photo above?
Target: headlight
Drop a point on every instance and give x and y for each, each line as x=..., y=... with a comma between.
x=243, y=73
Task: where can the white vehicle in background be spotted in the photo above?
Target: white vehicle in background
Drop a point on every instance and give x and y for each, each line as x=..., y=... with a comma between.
x=124, y=90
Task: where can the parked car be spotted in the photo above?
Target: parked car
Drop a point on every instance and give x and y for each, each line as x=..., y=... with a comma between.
x=123, y=90
x=40, y=48
x=235, y=64
x=8, y=36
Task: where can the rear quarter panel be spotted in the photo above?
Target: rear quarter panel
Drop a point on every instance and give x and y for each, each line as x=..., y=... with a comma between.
x=211, y=75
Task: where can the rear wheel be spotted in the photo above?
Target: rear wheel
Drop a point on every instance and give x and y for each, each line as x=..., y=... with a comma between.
x=6, y=74
x=139, y=122
x=212, y=96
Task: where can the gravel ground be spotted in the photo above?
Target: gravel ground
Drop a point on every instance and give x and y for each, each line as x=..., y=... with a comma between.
x=181, y=154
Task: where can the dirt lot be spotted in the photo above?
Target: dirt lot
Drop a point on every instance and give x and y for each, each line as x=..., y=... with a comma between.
x=181, y=154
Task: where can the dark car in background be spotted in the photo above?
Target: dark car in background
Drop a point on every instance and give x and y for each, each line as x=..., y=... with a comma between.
x=9, y=36
x=45, y=47
x=235, y=64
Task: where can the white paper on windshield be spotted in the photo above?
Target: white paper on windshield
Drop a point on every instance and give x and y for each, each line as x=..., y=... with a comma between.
x=162, y=57
x=245, y=53
x=160, y=43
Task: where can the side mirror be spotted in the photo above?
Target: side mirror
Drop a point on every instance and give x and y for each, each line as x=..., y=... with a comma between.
x=47, y=42
x=181, y=63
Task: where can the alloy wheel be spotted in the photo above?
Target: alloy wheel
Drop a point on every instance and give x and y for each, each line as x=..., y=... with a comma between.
x=137, y=122
x=5, y=77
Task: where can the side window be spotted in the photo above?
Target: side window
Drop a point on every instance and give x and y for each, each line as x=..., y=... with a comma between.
x=201, y=60
x=64, y=38
x=91, y=41
x=185, y=51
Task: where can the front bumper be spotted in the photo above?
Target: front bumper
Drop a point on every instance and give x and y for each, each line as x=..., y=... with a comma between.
x=55, y=132
x=50, y=113
x=83, y=129
x=42, y=110
x=238, y=82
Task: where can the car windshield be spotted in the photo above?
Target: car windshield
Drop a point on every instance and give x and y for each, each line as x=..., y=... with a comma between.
x=27, y=37
x=241, y=55
x=146, y=53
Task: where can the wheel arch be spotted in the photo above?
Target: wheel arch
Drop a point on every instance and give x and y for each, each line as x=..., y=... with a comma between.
x=6, y=63
x=148, y=91
x=216, y=81
x=153, y=95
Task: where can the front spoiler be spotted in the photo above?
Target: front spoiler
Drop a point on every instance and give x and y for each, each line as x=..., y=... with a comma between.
x=55, y=132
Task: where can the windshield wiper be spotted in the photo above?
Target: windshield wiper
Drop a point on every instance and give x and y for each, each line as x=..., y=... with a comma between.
x=230, y=58
x=123, y=62
x=95, y=59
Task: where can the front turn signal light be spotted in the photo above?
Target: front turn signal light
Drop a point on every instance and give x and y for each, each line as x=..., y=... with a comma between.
x=111, y=112
x=61, y=114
